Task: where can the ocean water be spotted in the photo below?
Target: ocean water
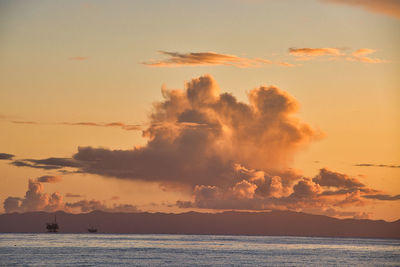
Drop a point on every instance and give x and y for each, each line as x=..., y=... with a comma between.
x=193, y=250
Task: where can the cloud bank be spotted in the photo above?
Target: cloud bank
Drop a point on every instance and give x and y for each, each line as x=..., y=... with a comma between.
x=209, y=59
x=229, y=154
x=328, y=191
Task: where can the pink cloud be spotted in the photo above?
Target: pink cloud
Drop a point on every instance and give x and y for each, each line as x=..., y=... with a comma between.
x=329, y=53
x=210, y=59
x=359, y=55
x=310, y=53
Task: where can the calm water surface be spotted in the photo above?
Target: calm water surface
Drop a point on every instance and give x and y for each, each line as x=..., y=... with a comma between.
x=193, y=250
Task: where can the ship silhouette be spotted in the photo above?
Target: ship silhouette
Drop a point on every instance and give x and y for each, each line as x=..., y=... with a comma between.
x=92, y=229
x=52, y=227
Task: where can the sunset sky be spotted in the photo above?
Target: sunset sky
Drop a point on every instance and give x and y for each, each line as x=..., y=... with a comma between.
x=179, y=105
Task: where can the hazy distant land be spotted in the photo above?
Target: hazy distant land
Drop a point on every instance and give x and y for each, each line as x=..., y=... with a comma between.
x=274, y=223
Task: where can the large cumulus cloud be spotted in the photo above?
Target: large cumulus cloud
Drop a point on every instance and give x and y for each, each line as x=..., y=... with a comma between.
x=35, y=199
x=198, y=135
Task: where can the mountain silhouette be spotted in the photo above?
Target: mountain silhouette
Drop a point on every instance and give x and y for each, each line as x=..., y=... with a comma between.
x=274, y=223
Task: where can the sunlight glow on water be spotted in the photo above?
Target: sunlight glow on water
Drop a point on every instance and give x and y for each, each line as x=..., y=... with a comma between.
x=193, y=250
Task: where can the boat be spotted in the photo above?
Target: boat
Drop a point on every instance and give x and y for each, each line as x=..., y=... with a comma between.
x=52, y=227
x=91, y=229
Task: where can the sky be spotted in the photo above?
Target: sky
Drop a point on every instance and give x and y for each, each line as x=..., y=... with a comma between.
x=180, y=105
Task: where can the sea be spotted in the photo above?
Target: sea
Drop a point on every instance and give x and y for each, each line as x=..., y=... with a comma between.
x=49, y=249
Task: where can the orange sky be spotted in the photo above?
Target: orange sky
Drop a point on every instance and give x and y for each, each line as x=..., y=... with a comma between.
x=248, y=105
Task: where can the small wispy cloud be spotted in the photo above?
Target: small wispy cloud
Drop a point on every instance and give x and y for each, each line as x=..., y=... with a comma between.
x=376, y=165
x=360, y=55
x=24, y=122
x=210, y=59
x=331, y=53
x=128, y=127
x=121, y=125
x=310, y=53
x=79, y=58
x=124, y=126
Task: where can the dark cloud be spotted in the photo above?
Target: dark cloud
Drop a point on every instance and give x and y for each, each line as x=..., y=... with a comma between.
x=21, y=163
x=348, y=191
x=377, y=165
x=59, y=162
x=209, y=58
x=334, y=179
x=47, y=164
x=382, y=197
x=49, y=179
x=6, y=156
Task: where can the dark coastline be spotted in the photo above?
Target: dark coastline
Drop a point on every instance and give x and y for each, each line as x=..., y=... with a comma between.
x=275, y=223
